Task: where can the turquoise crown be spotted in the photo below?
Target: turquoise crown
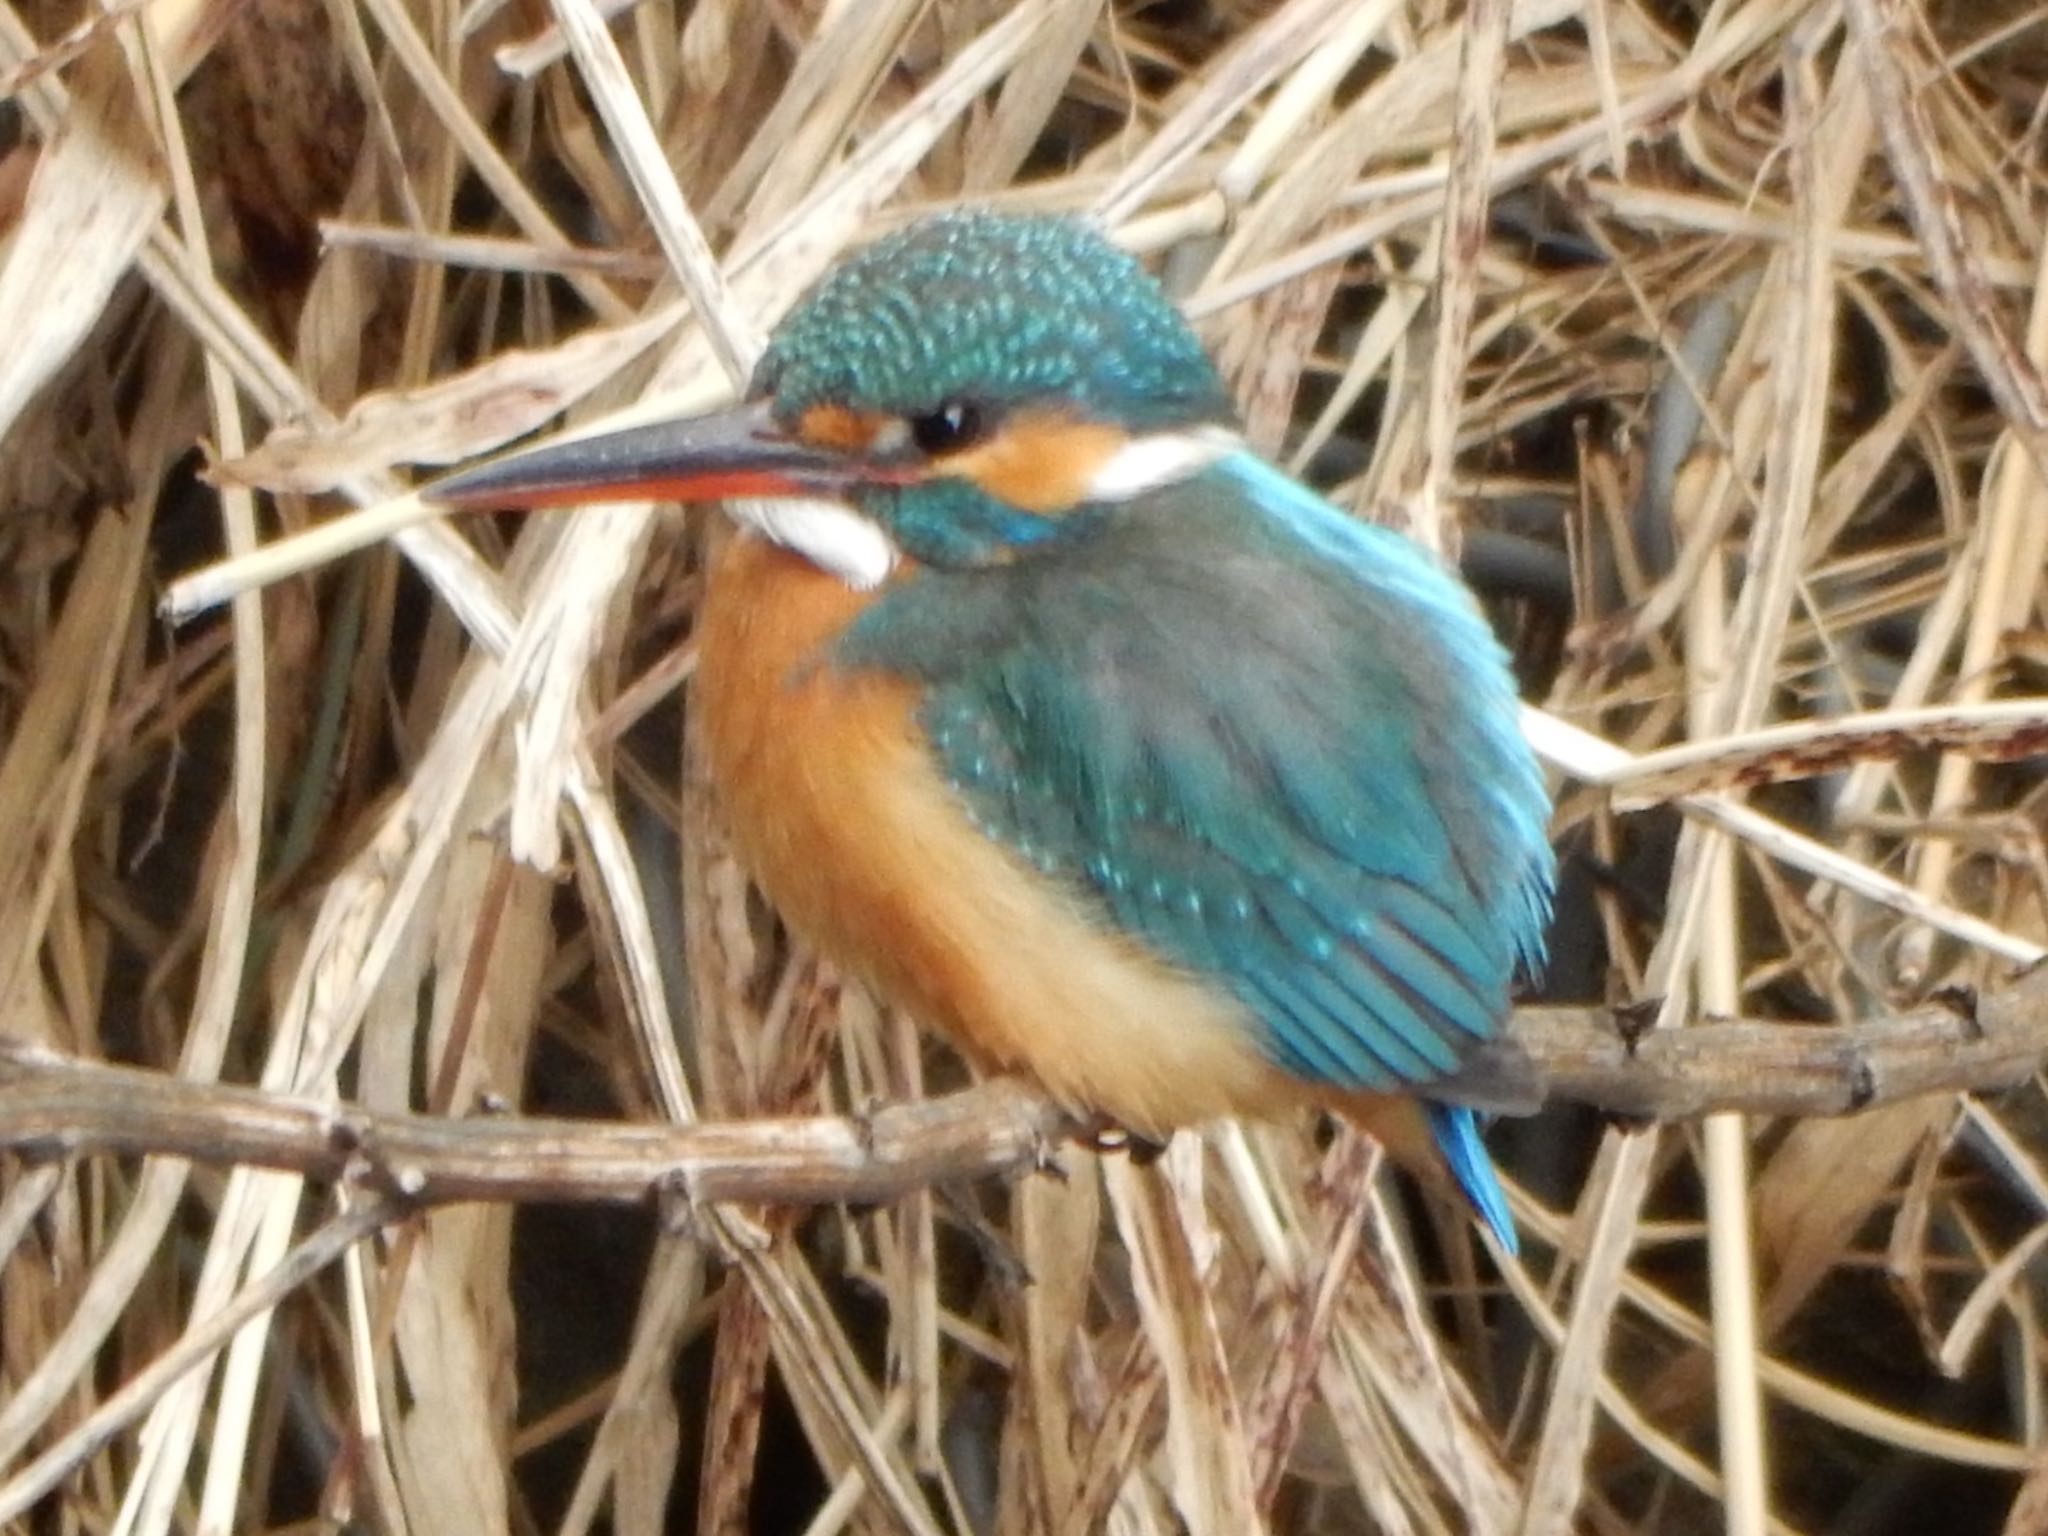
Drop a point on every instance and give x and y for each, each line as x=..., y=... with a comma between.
x=997, y=309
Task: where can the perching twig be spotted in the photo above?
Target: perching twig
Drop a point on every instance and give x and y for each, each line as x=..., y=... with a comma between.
x=53, y=1105
x=1959, y=1044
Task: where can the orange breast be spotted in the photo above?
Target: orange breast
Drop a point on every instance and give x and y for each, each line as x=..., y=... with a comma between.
x=838, y=808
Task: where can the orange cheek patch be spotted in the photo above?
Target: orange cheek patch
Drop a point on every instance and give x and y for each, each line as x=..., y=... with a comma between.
x=841, y=427
x=1041, y=461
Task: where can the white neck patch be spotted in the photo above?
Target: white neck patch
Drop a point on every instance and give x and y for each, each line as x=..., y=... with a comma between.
x=842, y=542
x=1160, y=458
x=834, y=538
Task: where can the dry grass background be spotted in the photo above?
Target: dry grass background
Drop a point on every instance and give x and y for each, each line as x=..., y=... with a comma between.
x=1733, y=398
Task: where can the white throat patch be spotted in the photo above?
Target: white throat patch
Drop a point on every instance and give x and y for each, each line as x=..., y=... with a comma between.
x=1160, y=458
x=834, y=538
x=840, y=541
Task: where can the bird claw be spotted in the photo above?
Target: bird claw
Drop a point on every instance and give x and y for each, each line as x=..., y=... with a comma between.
x=1045, y=1160
x=1105, y=1135
x=1143, y=1151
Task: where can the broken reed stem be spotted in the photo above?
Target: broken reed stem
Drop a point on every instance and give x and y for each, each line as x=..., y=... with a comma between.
x=294, y=554
x=53, y=1105
x=201, y=1341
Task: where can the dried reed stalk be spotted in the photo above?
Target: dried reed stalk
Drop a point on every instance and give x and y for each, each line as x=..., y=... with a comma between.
x=1715, y=335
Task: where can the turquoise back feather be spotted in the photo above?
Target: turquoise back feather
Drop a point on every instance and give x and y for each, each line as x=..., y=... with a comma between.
x=1275, y=745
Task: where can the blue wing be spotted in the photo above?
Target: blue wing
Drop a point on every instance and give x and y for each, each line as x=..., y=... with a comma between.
x=1278, y=746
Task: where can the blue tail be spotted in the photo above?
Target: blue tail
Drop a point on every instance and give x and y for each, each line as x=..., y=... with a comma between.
x=1457, y=1133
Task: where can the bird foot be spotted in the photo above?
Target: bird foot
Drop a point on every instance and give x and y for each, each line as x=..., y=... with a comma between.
x=1105, y=1135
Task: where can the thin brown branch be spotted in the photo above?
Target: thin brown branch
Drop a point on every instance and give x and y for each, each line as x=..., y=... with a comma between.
x=59, y=1106
x=1958, y=1044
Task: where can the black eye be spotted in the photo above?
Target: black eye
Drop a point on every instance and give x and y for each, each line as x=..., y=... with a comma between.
x=955, y=425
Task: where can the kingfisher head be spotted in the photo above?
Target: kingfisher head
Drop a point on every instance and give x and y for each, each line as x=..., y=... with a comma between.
x=953, y=395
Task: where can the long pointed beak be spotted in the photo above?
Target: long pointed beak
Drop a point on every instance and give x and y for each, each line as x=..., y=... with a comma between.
x=739, y=452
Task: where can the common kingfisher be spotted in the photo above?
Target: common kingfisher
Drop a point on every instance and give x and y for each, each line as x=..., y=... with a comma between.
x=1044, y=706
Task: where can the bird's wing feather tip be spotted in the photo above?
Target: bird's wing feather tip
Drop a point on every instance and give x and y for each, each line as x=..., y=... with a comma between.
x=1457, y=1134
